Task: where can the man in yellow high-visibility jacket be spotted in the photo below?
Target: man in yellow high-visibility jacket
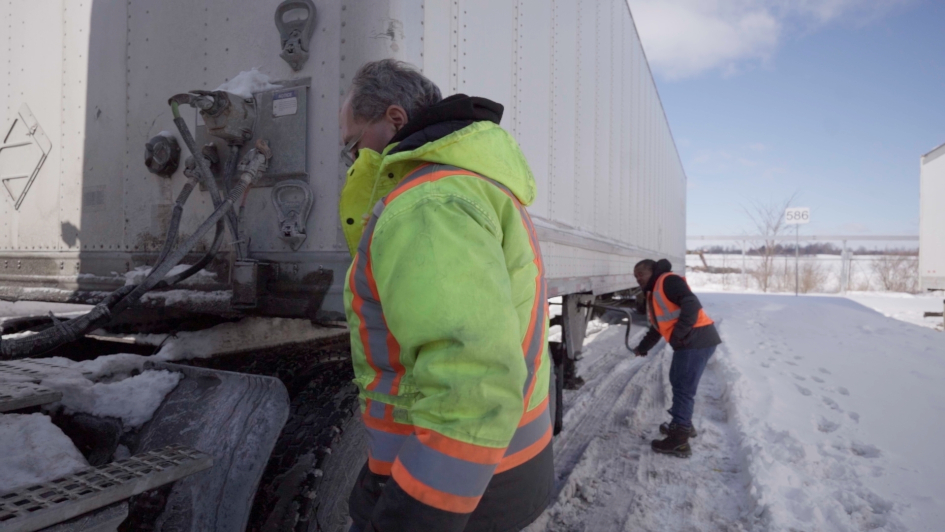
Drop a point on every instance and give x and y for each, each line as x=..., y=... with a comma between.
x=447, y=304
x=676, y=315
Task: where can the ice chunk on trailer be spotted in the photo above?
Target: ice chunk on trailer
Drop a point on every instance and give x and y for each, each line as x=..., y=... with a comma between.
x=244, y=335
x=248, y=82
x=33, y=450
x=137, y=275
x=109, y=386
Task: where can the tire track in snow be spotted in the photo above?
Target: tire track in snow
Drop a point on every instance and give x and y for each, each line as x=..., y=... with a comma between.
x=607, y=378
x=608, y=477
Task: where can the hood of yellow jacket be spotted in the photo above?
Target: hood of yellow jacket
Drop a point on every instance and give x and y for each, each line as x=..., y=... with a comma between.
x=482, y=147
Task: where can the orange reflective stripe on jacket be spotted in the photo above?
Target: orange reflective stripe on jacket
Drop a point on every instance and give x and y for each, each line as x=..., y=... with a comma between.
x=664, y=313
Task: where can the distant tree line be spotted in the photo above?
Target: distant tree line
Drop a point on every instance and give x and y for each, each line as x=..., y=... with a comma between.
x=813, y=248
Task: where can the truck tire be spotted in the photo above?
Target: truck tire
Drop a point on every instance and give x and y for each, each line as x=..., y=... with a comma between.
x=558, y=355
x=315, y=461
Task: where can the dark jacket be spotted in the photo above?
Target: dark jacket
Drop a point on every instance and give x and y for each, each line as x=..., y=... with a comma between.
x=513, y=498
x=684, y=336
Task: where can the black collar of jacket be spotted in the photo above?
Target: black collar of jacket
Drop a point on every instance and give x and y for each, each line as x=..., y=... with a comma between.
x=662, y=266
x=439, y=120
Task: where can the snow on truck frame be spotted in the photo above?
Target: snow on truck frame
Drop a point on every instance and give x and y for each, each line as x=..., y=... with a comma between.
x=92, y=86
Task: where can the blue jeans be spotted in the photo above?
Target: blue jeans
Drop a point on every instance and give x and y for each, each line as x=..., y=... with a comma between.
x=684, y=375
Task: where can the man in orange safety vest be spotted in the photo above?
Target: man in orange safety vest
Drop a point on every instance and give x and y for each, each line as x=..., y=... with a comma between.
x=676, y=315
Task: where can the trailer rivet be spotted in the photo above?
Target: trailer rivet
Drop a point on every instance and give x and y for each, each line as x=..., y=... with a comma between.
x=390, y=175
x=350, y=221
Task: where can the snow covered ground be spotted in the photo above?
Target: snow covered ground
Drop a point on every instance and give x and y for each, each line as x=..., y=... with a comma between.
x=816, y=414
x=906, y=307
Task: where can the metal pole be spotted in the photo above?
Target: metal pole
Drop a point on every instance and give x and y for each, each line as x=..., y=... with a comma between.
x=744, y=268
x=844, y=269
x=797, y=255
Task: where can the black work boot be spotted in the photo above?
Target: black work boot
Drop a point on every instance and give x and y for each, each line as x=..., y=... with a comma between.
x=676, y=442
x=664, y=429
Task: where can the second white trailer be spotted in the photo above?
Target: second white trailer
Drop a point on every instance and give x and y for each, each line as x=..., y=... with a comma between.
x=932, y=221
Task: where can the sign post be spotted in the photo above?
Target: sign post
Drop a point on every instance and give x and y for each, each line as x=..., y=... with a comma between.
x=796, y=216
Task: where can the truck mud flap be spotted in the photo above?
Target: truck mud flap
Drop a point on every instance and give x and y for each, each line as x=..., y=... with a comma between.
x=234, y=417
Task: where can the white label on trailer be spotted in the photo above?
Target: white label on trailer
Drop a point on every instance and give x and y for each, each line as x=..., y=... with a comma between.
x=797, y=215
x=285, y=103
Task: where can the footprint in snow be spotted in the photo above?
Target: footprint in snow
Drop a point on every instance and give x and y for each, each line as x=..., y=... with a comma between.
x=798, y=357
x=804, y=391
x=765, y=365
x=865, y=450
x=843, y=391
x=816, y=379
x=854, y=416
x=789, y=363
x=798, y=377
x=824, y=371
x=827, y=426
x=832, y=404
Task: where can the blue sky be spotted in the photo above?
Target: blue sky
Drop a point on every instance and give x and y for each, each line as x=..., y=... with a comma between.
x=835, y=100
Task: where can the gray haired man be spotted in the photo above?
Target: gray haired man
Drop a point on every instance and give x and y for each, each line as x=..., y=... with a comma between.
x=447, y=305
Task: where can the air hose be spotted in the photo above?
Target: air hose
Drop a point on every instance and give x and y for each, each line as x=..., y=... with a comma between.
x=206, y=174
x=625, y=312
x=253, y=165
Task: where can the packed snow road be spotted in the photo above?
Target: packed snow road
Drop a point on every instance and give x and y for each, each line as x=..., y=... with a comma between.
x=815, y=414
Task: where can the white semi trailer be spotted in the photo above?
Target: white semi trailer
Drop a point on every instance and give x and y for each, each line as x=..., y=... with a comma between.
x=90, y=87
x=932, y=221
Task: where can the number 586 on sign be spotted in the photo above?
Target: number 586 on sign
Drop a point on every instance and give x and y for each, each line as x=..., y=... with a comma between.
x=797, y=215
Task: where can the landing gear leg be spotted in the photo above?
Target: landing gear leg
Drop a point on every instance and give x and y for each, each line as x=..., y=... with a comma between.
x=574, y=317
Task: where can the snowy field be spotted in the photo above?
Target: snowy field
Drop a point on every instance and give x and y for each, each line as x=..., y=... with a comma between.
x=823, y=272
x=866, y=286
x=816, y=414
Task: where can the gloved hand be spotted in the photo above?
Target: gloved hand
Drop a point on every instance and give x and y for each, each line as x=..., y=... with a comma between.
x=638, y=353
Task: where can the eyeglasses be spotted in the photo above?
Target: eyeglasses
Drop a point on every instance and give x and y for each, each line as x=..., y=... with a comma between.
x=348, y=154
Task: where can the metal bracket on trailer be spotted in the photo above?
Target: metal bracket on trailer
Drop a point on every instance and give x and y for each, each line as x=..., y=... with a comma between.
x=574, y=326
x=43, y=505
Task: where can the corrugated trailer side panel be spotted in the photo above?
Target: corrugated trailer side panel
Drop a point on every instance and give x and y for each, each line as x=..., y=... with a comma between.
x=585, y=125
x=932, y=220
x=532, y=121
x=586, y=112
x=560, y=181
x=605, y=124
